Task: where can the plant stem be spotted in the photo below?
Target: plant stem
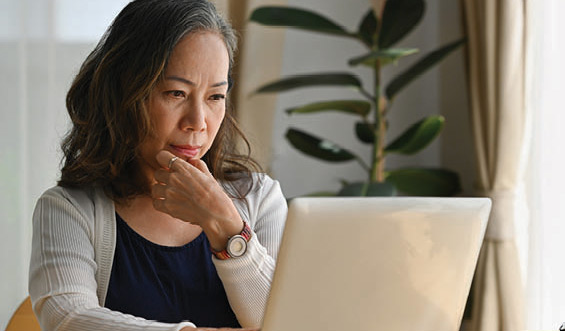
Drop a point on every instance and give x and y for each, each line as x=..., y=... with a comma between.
x=378, y=162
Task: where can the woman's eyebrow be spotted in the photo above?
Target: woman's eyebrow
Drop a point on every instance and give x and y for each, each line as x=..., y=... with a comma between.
x=188, y=82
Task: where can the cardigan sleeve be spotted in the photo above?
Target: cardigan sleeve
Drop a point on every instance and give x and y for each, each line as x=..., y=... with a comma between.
x=62, y=282
x=247, y=279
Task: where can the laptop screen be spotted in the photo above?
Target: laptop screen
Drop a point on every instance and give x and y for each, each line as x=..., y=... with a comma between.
x=376, y=263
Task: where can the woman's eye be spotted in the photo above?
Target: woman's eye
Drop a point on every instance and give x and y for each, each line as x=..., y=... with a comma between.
x=217, y=97
x=176, y=94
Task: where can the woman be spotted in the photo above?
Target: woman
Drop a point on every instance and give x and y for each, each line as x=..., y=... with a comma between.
x=156, y=223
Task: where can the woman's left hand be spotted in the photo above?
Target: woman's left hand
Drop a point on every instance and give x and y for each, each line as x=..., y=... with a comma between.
x=189, y=192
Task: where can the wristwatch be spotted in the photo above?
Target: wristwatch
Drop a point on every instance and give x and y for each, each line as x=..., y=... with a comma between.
x=237, y=245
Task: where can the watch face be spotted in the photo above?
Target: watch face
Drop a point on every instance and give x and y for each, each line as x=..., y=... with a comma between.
x=237, y=245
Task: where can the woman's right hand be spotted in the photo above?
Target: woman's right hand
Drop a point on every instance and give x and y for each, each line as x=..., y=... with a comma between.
x=189, y=192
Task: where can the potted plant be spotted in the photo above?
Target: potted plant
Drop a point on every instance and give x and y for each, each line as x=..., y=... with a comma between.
x=379, y=34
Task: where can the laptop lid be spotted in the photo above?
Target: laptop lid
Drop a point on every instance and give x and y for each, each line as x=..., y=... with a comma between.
x=372, y=264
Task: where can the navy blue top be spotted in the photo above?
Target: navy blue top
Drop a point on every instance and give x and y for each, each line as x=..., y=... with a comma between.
x=167, y=284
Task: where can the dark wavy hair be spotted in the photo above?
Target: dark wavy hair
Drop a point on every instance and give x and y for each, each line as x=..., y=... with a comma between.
x=106, y=101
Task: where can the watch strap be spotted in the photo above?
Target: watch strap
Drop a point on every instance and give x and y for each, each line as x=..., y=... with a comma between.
x=224, y=254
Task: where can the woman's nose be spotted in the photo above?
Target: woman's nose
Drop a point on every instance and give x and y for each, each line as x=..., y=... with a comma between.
x=194, y=117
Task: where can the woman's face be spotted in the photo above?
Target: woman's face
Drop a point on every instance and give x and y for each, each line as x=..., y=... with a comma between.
x=188, y=105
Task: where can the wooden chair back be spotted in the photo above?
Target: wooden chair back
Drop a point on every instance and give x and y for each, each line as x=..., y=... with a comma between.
x=23, y=319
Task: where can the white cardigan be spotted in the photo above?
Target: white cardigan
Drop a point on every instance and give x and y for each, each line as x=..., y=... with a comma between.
x=74, y=237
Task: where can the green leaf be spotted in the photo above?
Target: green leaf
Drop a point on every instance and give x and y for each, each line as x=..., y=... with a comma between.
x=316, y=147
x=420, y=67
x=367, y=189
x=296, y=18
x=385, y=189
x=399, y=18
x=386, y=56
x=417, y=136
x=353, y=190
x=368, y=28
x=356, y=107
x=343, y=182
x=364, y=132
x=309, y=80
x=425, y=181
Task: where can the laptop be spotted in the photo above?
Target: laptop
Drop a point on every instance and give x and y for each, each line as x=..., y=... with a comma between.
x=370, y=264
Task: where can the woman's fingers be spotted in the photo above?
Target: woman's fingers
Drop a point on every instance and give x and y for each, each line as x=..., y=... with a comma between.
x=200, y=165
x=165, y=157
x=189, y=192
x=158, y=191
x=179, y=191
x=162, y=176
x=159, y=205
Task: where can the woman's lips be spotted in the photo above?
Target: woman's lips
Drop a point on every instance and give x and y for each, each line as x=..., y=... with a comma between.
x=186, y=150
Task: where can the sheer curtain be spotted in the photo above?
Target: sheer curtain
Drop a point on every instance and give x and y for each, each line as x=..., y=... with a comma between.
x=42, y=44
x=496, y=73
x=546, y=268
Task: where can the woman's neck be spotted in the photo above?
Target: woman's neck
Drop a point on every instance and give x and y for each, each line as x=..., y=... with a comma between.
x=156, y=226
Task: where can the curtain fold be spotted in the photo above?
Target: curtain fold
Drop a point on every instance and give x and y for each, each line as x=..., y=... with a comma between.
x=496, y=75
x=258, y=61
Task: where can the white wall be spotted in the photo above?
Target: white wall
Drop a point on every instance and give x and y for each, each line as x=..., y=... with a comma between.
x=440, y=91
